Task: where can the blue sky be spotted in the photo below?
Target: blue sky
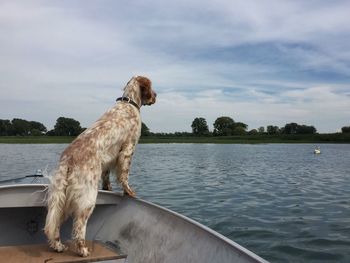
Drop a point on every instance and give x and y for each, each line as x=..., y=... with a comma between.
x=259, y=62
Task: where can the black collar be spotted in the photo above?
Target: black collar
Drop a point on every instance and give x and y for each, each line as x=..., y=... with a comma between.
x=127, y=99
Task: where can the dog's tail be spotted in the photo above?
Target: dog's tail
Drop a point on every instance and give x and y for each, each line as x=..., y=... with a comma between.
x=56, y=202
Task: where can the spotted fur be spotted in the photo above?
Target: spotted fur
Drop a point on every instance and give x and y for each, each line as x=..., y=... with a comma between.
x=108, y=145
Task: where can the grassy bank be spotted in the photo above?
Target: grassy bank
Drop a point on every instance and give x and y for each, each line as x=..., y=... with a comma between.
x=35, y=139
x=251, y=139
x=254, y=139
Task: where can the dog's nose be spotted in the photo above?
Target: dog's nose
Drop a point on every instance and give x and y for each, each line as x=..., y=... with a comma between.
x=155, y=94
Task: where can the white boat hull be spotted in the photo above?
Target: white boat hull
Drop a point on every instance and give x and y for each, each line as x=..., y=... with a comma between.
x=142, y=230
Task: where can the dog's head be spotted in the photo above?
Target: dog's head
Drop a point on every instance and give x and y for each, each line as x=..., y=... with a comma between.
x=142, y=86
x=148, y=96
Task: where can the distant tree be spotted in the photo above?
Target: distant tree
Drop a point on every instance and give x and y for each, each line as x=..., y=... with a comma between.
x=294, y=128
x=291, y=128
x=38, y=126
x=20, y=127
x=67, y=127
x=35, y=132
x=144, y=130
x=6, y=128
x=51, y=133
x=345, y=129
x=270, y=129
x=304, y=129
x=239, y=128
x=253, y=132
x=242, y=125
x=223, y=126
x=261, y=130
x=200, y=127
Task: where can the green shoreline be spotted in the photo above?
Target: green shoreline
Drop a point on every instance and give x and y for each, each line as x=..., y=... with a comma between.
x=245, y=139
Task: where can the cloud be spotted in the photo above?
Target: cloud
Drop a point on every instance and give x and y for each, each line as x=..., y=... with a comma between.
x=258, y=62
x=318, y=106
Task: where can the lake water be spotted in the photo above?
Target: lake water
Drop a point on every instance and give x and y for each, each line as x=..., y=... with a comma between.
x=279, y=200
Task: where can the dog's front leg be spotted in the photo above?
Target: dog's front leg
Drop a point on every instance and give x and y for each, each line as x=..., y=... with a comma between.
x=123, y=168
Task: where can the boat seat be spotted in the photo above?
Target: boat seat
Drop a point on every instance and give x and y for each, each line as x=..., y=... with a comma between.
x=42, y=253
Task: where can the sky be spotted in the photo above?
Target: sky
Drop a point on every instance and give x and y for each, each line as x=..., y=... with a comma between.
x=258, y=62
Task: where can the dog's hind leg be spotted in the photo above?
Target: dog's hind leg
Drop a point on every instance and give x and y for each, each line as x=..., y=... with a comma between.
x=83, y=207
x=79, y=230
x=54, y=237
x=55, y=204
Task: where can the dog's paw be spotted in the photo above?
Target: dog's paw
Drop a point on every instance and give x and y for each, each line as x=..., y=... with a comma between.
x=80, y=248
x=83, y=252
x=59, y=247
x=107, y=187
x=128, y=191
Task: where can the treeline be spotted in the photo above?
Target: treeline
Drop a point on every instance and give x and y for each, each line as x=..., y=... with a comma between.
x=19, y=127
x=226, y=126
x=223, y=126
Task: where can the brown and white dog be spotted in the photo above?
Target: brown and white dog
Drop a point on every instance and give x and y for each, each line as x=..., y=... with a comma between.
x=108, y=145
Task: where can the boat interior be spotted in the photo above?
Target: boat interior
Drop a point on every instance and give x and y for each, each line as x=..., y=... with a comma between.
x=22, y=238
x=42, y=253
x=121, y=229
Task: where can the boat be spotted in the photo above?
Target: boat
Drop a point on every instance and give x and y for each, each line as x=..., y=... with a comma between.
x=121, y=229
x=317, y=150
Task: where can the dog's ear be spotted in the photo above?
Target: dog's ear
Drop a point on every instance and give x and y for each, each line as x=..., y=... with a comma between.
x=145, y=87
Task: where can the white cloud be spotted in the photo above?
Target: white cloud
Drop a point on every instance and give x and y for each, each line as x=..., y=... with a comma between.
x=322, y=107
x=72, y=59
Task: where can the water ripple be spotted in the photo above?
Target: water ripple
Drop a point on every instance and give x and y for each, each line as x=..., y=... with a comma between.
x=279, y=200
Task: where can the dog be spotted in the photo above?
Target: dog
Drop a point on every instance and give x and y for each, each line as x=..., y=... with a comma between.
x=108, y=145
